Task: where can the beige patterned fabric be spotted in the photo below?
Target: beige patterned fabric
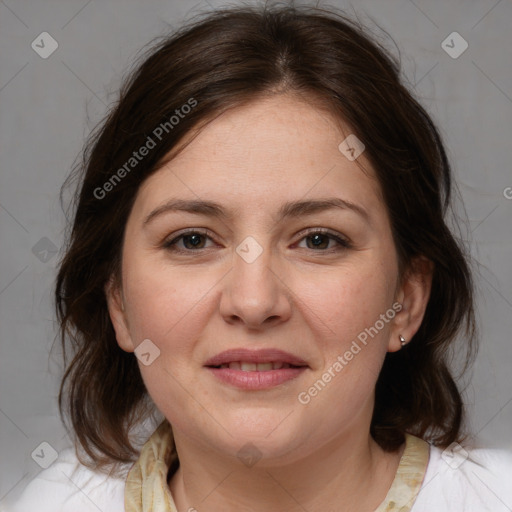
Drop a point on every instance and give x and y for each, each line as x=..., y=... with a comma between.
x=409, y=476
x=146, y=488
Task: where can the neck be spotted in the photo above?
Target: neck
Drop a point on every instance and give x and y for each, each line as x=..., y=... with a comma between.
x=350, y=472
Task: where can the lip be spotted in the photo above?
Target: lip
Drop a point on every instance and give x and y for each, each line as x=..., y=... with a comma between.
x=255, y=380
x=267, y=355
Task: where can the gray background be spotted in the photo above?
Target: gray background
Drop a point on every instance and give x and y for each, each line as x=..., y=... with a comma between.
x=49, y=105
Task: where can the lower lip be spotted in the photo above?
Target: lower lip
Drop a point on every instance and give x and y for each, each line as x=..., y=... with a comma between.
x=256, y=380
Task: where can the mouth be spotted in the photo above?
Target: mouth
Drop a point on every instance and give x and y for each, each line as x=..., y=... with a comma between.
x=245, y=366
x=255, y=369
x=255, y=360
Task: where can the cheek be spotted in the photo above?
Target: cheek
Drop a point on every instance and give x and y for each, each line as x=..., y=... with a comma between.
x=169, y=307
x=165, y=302
x=344, y=311
x=344, y=303
x=352, y=349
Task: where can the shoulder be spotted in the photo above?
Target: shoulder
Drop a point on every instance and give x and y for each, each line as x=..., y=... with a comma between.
x=69, y=486
x=473, y=480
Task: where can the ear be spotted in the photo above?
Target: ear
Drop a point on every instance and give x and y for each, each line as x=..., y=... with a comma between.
x=116, y=309
x=413, y=294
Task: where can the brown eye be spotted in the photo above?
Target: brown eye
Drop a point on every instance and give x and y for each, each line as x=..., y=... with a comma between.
x=194, y=240
x=320, y=240
x=191, y=241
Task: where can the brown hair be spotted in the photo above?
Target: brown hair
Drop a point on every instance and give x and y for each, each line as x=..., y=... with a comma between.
x=230, y=58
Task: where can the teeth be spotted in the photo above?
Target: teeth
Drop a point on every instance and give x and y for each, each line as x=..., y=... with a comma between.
x=249, y=367
x=263, y=367
x=254, y=367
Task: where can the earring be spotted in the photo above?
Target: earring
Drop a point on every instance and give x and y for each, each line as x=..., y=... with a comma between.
x=402, y=340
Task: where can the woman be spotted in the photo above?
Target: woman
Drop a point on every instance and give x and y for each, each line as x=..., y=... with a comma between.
x=260, y=255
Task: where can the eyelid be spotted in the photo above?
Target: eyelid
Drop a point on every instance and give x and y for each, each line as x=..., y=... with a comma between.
x=188, y=231
x=340, y=239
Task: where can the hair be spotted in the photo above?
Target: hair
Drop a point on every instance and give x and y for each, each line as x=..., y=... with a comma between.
x=225, y=60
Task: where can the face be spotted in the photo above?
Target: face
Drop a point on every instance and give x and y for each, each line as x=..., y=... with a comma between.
x=258, y=280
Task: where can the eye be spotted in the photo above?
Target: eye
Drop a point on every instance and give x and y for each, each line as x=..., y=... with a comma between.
x=320, y=239
x=191, y=241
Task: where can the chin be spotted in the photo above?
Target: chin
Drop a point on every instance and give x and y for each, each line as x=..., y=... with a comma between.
x=268, y=436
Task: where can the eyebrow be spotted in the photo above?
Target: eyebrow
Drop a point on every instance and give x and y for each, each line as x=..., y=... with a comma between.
x=291, y=209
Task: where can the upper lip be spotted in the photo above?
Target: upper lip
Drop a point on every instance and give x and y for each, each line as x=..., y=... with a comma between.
x=268, y=355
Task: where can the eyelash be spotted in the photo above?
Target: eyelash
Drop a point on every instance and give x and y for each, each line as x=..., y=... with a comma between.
x=170, y=245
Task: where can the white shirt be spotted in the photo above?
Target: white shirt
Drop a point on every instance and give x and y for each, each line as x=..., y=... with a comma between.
x=480, y=483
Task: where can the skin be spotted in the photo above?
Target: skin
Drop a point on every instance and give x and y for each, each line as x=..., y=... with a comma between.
x=312, y=302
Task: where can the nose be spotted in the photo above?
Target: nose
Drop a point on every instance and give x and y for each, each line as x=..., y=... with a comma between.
x=254, y=294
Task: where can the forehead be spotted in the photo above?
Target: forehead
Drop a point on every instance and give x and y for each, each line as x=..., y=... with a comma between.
x=266, y=152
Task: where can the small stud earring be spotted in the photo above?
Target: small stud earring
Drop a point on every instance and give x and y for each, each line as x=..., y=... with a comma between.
x=402, y=340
